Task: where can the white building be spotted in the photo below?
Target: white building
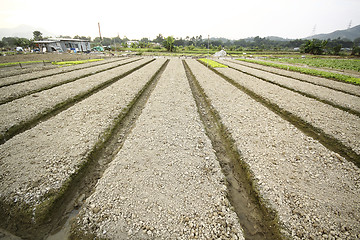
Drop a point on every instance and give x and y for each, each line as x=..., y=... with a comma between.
x=64, y=45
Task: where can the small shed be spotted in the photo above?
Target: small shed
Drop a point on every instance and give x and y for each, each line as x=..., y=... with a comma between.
x=64, y=45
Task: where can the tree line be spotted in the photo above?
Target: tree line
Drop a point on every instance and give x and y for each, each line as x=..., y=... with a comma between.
x=330, y=46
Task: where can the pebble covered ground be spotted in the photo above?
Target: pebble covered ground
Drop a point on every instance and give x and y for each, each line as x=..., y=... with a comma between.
x=350, y=88
x=25, y=109
x=37, y=163
x=6, y=80
x=165, y=181
x=14, y=91
x=314, y=191
x=320, y=92
x=335, y=122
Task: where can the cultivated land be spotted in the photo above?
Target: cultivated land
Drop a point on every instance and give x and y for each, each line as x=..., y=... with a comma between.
x=167, y=148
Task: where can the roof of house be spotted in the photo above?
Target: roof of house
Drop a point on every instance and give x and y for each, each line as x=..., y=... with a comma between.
x=69, y=39
x=53, y=40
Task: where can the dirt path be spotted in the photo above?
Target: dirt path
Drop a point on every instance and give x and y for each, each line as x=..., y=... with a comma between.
x=314, y=191
x=165, y=181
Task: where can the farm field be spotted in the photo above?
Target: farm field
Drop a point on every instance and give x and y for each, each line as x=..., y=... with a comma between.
x=338, y=73
x=159, y=148
x=343, y=64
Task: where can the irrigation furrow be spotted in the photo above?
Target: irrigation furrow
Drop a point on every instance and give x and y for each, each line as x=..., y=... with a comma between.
x=313, y=190
x=165, y=182
x=255, y=220
x=48, y=73
x=328, y=83
x=101, y=159
x=24, y=113
x=39, y=166
x=345, y=102
x=336, y=129
x=12, y=92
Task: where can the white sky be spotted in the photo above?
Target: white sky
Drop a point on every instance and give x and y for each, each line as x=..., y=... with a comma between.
x=233, y=19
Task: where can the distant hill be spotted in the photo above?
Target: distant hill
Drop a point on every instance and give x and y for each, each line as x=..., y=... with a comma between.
x=23, y=31
x=275, y=38
x=351, y=34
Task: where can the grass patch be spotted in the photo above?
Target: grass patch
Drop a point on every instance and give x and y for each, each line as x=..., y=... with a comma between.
x=314, y=72
x=212, y=63
x=69, y=63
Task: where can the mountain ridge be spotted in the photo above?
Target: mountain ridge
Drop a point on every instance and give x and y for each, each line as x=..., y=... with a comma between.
x=350, y=33
x=23, y=31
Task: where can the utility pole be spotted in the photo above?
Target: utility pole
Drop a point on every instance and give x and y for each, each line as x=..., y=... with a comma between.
x=314, y=30
x=207, y=62
x=99, y=32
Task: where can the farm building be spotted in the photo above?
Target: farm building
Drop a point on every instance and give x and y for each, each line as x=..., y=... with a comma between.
x=63, y=45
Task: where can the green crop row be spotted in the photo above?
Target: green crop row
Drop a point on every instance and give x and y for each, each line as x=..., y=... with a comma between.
x=212, y=63
x=314, y=72
x=68, y=63
x=17, y=63
x=347, y=64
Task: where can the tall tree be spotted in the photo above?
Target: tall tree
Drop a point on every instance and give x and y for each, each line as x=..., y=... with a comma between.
x=159, y=39
x=37, y=36
x=169, y=44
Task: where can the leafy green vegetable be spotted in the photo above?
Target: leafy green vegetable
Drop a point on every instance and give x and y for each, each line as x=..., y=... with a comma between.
x=212, y=63
x=17, y=63
x=68, y=63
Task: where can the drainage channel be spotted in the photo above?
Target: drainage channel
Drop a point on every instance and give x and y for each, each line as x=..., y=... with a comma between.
x=83, y=184
x=257, y=221
x=335, y=105
x=57, y=73
x=62, y=83
x=308, y=129
x=298, y=79
x=102, y=158
x=43, y=116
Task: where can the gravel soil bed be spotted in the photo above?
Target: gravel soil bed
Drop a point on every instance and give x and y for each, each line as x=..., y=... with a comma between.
x=335, y=122
x=36, y=165
x=18, y=90
x=48, y=57
x=45, y=73
x=23, y=110
x=9, y=71
x=322, y=93
x=346, y=87
x=165, y=182
x=314, y=191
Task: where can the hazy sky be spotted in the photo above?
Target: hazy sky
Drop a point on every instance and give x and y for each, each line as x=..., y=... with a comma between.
x=232, y=19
